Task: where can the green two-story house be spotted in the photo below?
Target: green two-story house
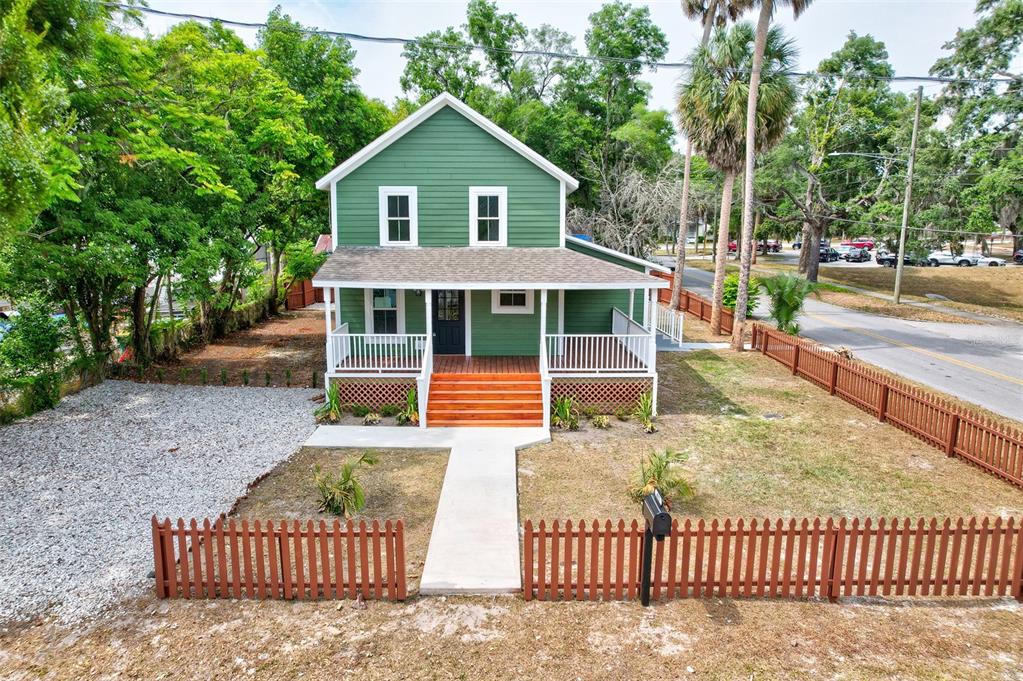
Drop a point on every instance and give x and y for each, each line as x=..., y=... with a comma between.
x=451, y=273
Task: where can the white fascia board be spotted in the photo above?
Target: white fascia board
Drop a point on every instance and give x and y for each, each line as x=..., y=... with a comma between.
x=434, y=105
x=489, y=285
x=618, y=254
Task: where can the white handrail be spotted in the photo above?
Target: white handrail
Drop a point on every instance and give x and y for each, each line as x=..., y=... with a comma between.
x=669, y=322
x=378, y=352
x=622, y=324
x=423, y=382
x=597, y=353
x=545, y=384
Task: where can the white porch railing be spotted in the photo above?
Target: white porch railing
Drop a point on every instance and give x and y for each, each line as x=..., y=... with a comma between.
x=545, y=386
x=669, y=322
x=423, y=382
x=400, y=353
x=627, y=349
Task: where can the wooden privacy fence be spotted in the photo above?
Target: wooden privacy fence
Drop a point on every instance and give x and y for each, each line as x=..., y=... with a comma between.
x=960, y=432
x=693, y=303
x=780, y=559
x=279, y=560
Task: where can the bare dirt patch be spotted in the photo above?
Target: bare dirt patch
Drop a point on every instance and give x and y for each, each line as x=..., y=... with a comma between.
x=761, y=443
x=507, y=638
x=289, y=347
x=404, y=483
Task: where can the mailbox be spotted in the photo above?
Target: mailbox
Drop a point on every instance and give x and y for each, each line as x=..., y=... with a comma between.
x=657, y=517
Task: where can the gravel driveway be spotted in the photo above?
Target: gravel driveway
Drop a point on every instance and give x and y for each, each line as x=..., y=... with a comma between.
x=78, y=484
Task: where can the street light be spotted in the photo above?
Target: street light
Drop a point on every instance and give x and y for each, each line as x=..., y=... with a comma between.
x=658, y=524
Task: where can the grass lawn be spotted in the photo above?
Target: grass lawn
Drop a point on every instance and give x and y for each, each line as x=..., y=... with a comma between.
x=404, y=483
x=761, y=442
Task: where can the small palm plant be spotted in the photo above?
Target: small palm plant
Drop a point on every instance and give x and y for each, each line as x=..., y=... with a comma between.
x=342, y=493
x=645, y=411
x=659, y=471
x=331, y=410
x=787, y=293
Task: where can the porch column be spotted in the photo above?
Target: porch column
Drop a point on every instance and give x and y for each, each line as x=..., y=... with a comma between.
x=428, y=293
x=337, y=306
x=543, y=320
x=646, y=308
x=330, y=343
x=632, y=303
x=649, y=309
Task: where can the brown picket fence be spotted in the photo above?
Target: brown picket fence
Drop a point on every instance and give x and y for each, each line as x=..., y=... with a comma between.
x=958, y=431
x=239, y=559
x=780, y=559
x=693, y=303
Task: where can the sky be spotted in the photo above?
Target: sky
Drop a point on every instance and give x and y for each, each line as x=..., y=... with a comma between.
x=912, y=30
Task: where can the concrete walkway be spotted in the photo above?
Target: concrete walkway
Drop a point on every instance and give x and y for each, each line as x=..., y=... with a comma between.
x=474, y=546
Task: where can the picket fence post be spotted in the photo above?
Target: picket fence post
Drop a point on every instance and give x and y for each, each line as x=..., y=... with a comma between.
x=527, y=551
x=953, y=434
x=795, y=358
x=882, y=409
x=833, y=383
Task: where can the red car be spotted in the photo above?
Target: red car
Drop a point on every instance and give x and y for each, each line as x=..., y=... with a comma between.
x=732, y=246
x=862, y=242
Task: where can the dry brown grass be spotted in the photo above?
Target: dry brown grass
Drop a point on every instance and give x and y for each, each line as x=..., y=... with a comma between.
x=404, y=483
x=507, y=638
x=761, y=442
x=886, y=308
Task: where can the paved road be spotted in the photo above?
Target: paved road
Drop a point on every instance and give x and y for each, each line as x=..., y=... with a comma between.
x=979, y=363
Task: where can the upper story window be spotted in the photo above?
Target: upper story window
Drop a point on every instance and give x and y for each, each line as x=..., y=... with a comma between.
x=488, y=216
x=399, y=216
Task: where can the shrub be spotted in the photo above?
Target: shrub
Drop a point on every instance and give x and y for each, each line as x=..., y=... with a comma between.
x=389, y=410
x=223, y=377
x=330, y=410
x=622, y=414
x=371, y=419
x=204, y=376
x=564, y=413
x=787, y=293
x=30, y=355
x=730, y=291
x=342, y=494
x=410, y=414
x=287, y=377
x=245, y=377
x=266, y=378
x=360, y=410
x=644, y=411
x=159, y=374
x=602, y=421
x=588, y=412
x=658, y=471
x=183, y=374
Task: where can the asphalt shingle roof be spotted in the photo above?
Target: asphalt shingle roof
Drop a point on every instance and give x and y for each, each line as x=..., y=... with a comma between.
x=366, y=267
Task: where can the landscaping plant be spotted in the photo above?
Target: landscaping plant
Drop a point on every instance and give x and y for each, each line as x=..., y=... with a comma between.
x=564, y=414
x=658, y=471
x=410, y=414
x=602, y=421
x=266, y=378
x=731, y=290
x=371, y=419
x=287, y=377
x=360, y=410
x=223, y=377
x=645, y=411
x=342, y=494
x=787, y=293
x=30, y=356
x=159, y=374
x=389, y=410
x=330, y=410
x=622, y=414
x=204, y=376
x=245, y=377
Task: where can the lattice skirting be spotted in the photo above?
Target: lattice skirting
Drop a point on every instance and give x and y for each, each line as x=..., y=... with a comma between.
x=603, y=394
x=374, y=392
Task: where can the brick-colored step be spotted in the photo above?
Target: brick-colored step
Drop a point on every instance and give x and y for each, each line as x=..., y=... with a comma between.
x=485, y=423
x=488, y=399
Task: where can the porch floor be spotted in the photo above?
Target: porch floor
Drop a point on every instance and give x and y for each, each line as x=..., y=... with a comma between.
x=497, y=364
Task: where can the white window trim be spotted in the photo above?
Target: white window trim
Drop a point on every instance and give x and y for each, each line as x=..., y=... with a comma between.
x=497, y=308
x=413, y=213
x=368, y=309
x=502, y=208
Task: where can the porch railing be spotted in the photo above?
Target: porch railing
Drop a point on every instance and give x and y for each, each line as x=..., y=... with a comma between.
x=669, y=322
x=423, y=382
x=377, y=352
x=629, y=348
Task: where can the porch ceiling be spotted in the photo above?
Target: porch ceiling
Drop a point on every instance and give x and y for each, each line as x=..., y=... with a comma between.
x=476, y=268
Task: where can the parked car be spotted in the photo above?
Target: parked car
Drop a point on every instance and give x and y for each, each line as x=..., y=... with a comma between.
x=936, y=258
x=858, y=255
x=988, y=261
x=798, y=243
x=1017, y=257
x=862, y=242
x=889, y=260
x=772, y=246
x=844, y=250
x=828, y=254
x=732, y=246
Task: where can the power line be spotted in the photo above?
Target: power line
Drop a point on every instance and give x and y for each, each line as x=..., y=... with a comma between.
x=394, y=40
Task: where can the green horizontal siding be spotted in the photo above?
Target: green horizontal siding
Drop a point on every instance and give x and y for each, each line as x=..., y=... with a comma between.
x=353, y=311
x=590, y=311
x=443, y=156
x=606, y=257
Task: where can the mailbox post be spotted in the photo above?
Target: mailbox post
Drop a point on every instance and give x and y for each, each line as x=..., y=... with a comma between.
x=658, y=524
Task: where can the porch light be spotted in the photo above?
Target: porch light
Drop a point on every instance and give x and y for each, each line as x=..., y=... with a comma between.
x=658, y=524
x=419, y=292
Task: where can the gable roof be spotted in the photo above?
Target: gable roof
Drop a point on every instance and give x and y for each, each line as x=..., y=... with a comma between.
x=432, y=107
x=571, y=238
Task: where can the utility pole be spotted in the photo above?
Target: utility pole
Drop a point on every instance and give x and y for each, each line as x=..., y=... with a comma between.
x=909, y=191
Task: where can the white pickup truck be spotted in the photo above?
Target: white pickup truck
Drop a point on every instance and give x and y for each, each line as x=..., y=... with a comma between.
x=941, y=258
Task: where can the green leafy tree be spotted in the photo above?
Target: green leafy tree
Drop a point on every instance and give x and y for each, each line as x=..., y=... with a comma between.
x=30, y=354
x=439, y=61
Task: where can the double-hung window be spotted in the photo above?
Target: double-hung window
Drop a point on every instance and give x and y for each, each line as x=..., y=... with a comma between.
x=384, y=311
x=399, y=216
x=488, y=216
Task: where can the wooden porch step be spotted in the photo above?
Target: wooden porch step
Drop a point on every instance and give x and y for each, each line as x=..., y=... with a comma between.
x=486, y=423
x=484, y=389
x=485, y=399
x=487, y=404
x=484, y=378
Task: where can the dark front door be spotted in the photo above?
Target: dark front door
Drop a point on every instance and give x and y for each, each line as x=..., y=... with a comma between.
x=449, y=322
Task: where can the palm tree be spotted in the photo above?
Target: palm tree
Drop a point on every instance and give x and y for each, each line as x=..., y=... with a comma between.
x=710, y=109
x=711, y=13
x=752, y=105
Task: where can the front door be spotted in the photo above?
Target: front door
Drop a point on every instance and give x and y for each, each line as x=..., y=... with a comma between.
x=449, y=322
